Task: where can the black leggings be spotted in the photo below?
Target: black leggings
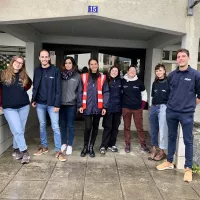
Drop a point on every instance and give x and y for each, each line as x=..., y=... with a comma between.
x=91, y=123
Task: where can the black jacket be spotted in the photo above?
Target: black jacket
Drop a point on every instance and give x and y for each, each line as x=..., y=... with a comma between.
x=114, y=104
x=53, y=85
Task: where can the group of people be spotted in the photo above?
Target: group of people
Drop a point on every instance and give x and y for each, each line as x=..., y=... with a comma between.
x=62, y=92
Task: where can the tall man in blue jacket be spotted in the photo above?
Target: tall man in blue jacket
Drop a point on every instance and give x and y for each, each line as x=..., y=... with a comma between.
x=47, y=98
x=184, y=83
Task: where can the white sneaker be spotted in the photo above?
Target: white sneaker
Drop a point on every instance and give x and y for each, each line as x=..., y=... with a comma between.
x=63, y=148
x=69, y=150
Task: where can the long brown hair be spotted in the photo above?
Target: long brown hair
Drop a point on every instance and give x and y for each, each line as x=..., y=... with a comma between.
x=157, y=67
x=74, y=65
x=8, y=75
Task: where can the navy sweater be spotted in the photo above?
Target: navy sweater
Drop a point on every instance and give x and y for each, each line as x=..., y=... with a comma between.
x=132, y=97
x=160, y=92
x=184, y=86
x=53, y=86
x=14, y=95
x=114, y=104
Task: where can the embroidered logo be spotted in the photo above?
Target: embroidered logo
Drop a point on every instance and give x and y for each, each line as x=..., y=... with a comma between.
x=125, y=86
x=163, y=90
x=51, y=77
x=135, y=87
x=187, y=79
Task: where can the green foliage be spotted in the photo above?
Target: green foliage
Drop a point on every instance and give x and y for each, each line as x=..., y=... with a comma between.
x=196, y=169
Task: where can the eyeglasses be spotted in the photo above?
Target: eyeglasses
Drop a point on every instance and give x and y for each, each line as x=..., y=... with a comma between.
x=44, y=57
x=19, y=63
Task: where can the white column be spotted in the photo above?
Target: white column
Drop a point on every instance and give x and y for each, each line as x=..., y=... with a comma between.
x=153, y=57
x=190, y=41
x=32, y=58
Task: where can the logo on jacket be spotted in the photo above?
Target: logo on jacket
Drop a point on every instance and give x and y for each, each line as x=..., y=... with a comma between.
x=187, y=79
x=135, y=87
x=163, y=90
x=51, y=77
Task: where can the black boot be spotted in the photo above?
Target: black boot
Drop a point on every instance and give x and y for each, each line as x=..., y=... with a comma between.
x=91, y=152
x=84, y=151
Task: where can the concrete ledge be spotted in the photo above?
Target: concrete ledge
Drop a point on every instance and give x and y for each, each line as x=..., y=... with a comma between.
x=6, y=138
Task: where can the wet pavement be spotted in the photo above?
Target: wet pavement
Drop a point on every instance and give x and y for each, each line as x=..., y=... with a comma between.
x=114, y=176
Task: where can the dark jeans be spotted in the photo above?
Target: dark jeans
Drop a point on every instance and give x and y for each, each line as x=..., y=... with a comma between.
x=111, y=122
x=67, y=117
x=91, y=123
x=138, y=119
x=186, y=121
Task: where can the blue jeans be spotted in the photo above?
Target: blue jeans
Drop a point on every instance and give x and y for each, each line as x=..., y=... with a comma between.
x=186, y=120
x=158, y=124
x=67, y=117
x=54, y=116
x=17, y=121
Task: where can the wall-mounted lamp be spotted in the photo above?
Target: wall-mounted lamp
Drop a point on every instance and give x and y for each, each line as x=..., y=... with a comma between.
x=191, y=5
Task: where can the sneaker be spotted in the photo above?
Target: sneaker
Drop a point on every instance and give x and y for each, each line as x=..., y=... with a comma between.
x=113, y=149
x=61, y=157
x=145, y=149
x=25, y=158
x=40, y=151
x=69, y=150
x=15, y=152
x=18, y=155
x=102, y=150
x=165, y=165
x=188, y=175
x=127, y=148
x=63, y=147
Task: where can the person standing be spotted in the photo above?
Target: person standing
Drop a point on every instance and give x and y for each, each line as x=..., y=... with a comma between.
x=134, y=99
x=70, y=83
x=184, y=83
x=15, y=103
x=92, y=102
x=47, y=98
x=112, y=119
x=157, y=114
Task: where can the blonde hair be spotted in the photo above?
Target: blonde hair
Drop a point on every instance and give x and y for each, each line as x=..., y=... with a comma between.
x=8, y=75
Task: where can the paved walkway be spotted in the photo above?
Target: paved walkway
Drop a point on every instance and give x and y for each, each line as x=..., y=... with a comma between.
x=116, y=176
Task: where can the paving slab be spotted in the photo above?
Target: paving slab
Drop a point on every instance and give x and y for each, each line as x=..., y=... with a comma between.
x=68, y=174
x=102, y=191
x=23, y=190
x=101, y=175
x=68, y=190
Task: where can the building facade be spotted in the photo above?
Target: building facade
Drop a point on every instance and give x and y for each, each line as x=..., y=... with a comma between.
x=147, y=31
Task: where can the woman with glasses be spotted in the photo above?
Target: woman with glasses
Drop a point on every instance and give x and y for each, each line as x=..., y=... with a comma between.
x=15, y=103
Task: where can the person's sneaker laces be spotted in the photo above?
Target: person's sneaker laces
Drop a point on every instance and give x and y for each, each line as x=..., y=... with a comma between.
x=63, y=147
x=25, y=158
x=15, y=152
x=145, y=149
x=40, y=151
x=69, y=150
x=18, y=155
x=165, y=165
x=61, y=157
x=127, y=148
x=102, y=150
x=114, y=149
